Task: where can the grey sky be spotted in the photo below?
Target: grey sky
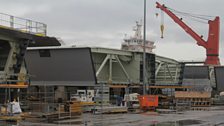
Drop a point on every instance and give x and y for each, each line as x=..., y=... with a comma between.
x=104, y=22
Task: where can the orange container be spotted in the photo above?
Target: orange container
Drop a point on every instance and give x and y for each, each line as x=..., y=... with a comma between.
x=147, y=101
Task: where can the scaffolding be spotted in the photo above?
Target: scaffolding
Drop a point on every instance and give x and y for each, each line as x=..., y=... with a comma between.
x=44, y=106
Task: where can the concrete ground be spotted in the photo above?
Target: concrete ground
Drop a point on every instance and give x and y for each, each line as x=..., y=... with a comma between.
x=213, y=117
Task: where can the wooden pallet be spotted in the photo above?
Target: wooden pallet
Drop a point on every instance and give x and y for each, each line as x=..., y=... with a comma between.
x=73, y=106
x=196, y=102
x=192, y=94
x=196, y=99
x=30, y=117
x=11, y=118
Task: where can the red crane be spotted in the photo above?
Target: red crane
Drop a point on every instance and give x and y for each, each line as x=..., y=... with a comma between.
x=212, y=43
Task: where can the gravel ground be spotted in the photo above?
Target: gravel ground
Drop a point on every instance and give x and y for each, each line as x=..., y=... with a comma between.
x=213, y=117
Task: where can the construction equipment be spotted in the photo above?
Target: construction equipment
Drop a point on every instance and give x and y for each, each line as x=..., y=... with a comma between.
x=218, y=99
x=148, y=102
x=131, y=100
x=212, y=43
x=83, y=95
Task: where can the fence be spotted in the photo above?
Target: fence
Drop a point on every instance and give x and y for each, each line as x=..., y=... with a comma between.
x=22, y=24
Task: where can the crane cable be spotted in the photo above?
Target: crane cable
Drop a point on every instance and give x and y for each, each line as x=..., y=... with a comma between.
x=195, y=17
x=198, y=16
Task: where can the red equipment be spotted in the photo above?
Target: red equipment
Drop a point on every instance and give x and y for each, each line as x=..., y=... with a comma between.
x=148, y=101
x=211, y=45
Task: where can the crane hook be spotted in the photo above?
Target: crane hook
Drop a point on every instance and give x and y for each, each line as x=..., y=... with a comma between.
x=162, y=29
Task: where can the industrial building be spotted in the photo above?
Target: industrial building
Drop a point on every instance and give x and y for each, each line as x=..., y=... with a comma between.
x=68, y=69
x=83, y=68
x=49, y=80
x=121, y=70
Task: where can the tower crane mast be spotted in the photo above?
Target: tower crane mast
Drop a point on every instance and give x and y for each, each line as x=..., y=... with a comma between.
x=212, y=43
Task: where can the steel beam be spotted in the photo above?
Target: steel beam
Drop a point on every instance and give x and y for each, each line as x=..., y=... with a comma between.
x=176, y=73
x=111, y=51
x=13, y=86
x=125, y=72
x=102, y=65
x=169, y=72
x=166, y=60
x=170, y=86
x=110, y=68
x=158, y=68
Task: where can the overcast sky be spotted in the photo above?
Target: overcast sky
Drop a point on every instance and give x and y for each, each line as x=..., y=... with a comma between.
x=104, y=23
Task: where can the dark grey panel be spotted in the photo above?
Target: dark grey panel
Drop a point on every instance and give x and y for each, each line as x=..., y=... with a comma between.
x=71, y=66
x=37, y=40
x=40, y=41
x=198, y=84
x=196, y=72
x=219, y=72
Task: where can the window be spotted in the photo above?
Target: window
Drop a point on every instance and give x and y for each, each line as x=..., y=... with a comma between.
x=44, y=53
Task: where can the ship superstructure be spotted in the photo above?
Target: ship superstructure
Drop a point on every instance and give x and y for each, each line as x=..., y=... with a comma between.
x=136, y=42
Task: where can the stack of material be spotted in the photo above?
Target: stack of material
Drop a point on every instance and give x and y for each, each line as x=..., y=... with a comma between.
x=87, y=106
x=110, y=109
x=61, y=108
x=73, y=107
x=9, y=118
x=192, y=94
x=3, y=110
x=87, y=103
x=33, y=117
x=68, y=111
x=195, y=99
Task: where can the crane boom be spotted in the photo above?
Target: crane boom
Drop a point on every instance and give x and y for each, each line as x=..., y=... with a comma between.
x=211, y=45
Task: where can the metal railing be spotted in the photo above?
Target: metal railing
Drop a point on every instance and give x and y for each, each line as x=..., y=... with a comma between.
x=22, y=24
x=6, y=77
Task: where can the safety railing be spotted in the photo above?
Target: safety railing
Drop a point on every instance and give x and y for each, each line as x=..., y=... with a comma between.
x=18, y=78
x=22, y=24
